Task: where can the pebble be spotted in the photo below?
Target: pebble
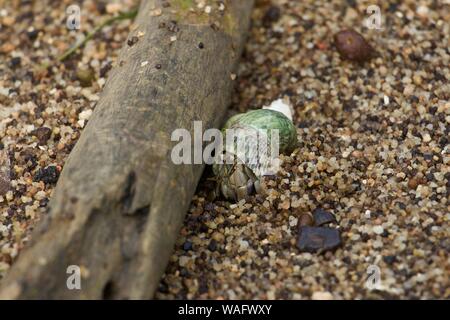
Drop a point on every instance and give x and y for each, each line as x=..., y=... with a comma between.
x=86, y=77
x=352, y=46
x=311, y=239
x=113, y=8
x=322, y=295
x=187, y=246
x=48, y=175
x=85, y=114
x=306, y=219
x=322, y=217
x=378, y=230
x=426, y=137
x=15, y=62
x=272, y=15
x=43, y=134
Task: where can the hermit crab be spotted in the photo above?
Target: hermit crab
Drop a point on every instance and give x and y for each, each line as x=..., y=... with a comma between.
x=251, y=150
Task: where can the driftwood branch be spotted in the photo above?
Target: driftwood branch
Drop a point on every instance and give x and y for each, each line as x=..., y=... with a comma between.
x=120, y=200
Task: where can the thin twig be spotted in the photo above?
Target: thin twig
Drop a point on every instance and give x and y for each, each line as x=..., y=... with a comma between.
x=123, y=16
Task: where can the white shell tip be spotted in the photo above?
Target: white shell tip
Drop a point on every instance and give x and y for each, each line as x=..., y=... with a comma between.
x=282, y=106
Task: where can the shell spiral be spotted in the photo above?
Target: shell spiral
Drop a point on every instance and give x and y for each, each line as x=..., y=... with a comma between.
x=238, y=180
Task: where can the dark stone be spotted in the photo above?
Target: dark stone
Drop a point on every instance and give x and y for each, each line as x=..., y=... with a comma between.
x=163, y=287
x=389, y=259
x=209, y=206
x=173, y=26
x=322, y=217
x=132, y=41
x=203, y=228
x=393, y=7
x=365, y=237
x=272, y=15
x=43, y=134
x=15, y=62
x=32, y=34
x=303, y=124
x=104, y=70
x=212, y=245
x=187, y=246
x=203, y=286
x=352, y=46
x=259, y=199
x=401, y=205
x=47, y=175
x=308, y=24
x=311, y=239
x=184, y=272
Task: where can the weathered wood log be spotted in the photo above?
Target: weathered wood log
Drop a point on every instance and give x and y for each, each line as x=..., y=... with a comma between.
x=120, y=201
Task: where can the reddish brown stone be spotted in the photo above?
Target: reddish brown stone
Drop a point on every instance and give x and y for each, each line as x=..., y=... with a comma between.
x=352, y=46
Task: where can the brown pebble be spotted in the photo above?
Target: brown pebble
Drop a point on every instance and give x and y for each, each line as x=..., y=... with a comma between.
x=85, y=76
x=217, y=236
x=413, y=183
x=6, y=258
x=43, y=134
x=352, y=46
x=272, y=15
x=305, y=219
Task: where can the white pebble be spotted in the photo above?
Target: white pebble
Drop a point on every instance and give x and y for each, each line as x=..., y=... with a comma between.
x=85, y=115
x=183, y=260
x=293, y=221
x=378, y=229
x=422, y=11
x=322, y=295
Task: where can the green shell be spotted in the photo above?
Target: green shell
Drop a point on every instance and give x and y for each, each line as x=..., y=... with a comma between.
x=235, y=181
x=267, y=119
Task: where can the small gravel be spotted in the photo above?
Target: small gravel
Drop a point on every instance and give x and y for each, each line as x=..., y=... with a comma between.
x=374, y=148
x=374, y=151
x=43, y=109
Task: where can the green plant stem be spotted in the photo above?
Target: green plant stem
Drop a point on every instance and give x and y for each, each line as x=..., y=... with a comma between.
x=123, y=16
